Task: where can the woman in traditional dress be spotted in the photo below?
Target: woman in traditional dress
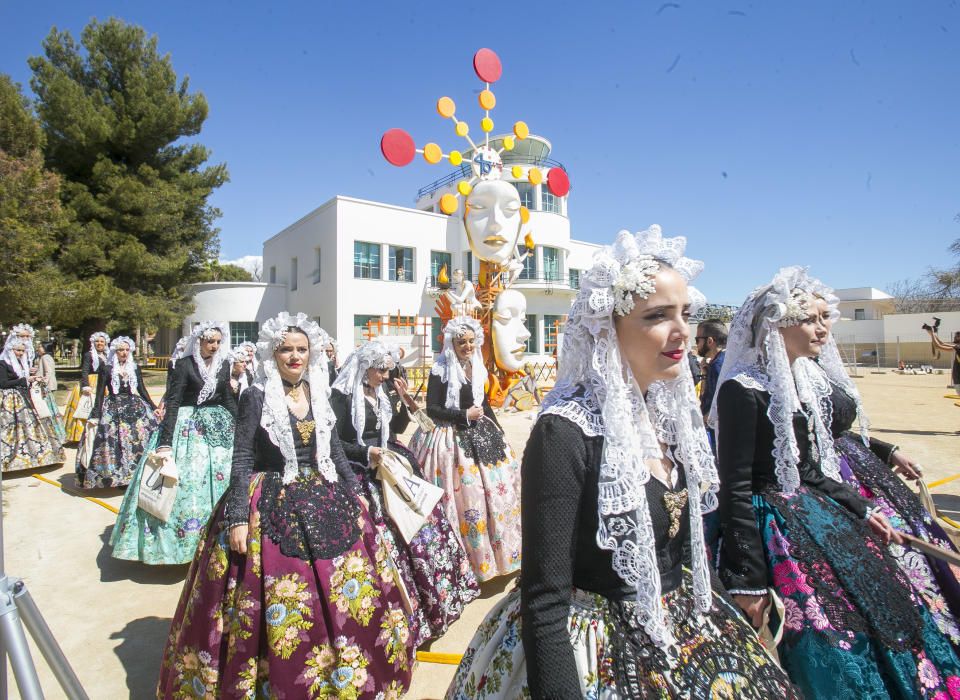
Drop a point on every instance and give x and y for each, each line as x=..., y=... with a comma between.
x=124, y=418
x=616, y=598
x=241, y=377
x=197, y=433
x=291, y=593
x=467, y=455
x=89, y=371
x=871, y=466
x=26, y=441
x=433, y=566
x=852, y=627
x=47, y=370
x=171, y=365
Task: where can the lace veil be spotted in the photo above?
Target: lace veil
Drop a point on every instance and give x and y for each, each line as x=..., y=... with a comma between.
x=757, y=358
x=178, y=350
x=20, y=366
x=204, y=330
x=129, y=368
x=448, y=367
x=93, y=348
x=353, y=376
x=633, y=426
x=275, y=419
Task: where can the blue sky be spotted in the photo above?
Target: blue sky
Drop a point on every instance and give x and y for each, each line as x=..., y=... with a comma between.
x=769, y=133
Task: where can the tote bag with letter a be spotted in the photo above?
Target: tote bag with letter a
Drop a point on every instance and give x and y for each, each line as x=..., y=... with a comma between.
x=158, y=486
x=408, y=498
x=84, y=407
x=39, y=402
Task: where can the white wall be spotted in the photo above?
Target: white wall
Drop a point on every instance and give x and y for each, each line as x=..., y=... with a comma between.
x=235, y=301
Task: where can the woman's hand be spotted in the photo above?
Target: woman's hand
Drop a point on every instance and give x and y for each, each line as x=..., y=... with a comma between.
x=374, y=454
x=238, y=538
x=905, y=466
x=753, y=606
x=158, y=414
x=883, y=529
x=474, y=413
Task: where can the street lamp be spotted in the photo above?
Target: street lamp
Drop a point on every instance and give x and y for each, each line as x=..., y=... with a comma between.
x=48, y=332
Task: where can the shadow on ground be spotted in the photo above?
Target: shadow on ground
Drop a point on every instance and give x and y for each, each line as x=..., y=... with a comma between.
x=140, y=653
x=914, y=432
x=947, y=504
x=120, y=570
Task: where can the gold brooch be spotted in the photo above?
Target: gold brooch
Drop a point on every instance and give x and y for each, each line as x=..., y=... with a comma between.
x=674, y=501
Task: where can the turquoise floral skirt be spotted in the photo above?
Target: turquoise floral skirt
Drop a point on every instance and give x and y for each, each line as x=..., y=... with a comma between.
x=203, y=451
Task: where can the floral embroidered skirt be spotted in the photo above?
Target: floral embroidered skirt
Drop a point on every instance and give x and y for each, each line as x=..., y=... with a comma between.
x=480, y=477
x=852, y=625
x=935, y=582
x=203, y=451
x=55, y=420
x=26, y=441
x=122, y=434
x=311, y=611
x=717, y=655
x=433, y=567
x=72, y=426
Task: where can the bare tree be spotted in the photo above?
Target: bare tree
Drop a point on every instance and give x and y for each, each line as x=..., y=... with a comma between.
x=256, y=270
x=921, y=297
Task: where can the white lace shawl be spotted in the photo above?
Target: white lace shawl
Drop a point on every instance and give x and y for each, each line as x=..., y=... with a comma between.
x=275, y=419
x=93, y=348
x=351, y=380
x=209, y=373
x=447, y=366
x=757, y=359
x=178, y=351
x=127, y=369
x=20, y=365
x=633, y=427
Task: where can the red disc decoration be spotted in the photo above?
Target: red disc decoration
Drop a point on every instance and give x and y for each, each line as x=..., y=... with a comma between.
x=397, y=147
x=487, y=65
x=558, y=182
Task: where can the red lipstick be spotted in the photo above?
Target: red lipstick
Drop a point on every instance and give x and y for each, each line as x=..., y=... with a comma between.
x=676, y=355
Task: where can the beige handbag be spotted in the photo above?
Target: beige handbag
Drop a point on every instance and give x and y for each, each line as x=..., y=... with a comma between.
x=408, y=499
x=38, y=401
x=926, y=498
x=424, y=422
x=85, y=449
x=768, y=637
x=84, y=407
x=158, y=486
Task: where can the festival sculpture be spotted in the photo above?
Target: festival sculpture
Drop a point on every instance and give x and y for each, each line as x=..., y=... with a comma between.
x=493, y=218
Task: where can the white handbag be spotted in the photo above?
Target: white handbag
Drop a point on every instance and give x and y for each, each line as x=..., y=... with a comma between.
x=408, y=499
x=85, y=450
x=84, y=407
x=158, y=486
x=39, y=402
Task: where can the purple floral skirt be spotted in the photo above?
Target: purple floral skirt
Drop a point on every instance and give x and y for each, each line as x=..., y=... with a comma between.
x=312, y=610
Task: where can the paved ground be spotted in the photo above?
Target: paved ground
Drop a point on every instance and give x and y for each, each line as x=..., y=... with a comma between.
x=111, y=617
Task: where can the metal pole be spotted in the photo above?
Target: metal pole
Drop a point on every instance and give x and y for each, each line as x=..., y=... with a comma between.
x=15, y=643
x=46, y=643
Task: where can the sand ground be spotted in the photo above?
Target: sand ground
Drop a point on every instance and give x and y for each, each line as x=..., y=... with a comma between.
x=111, y=617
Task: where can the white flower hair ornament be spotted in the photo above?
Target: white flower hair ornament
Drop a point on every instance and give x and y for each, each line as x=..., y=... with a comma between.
x=128, y=369
x=275, y=419
x=238, y=354
x=352, y=378
x=93, y=347
x=207, y=330
x=447, y=366
x=596, y=390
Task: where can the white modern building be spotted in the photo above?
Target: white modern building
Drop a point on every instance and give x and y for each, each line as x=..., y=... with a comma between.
x=352, y=261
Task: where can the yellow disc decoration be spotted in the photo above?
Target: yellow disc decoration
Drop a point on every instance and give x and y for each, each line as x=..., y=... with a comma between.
x=508, y=143
x=535, y=176
x=446, y=107
x=524, y=214
x=448, y=204
x=517, y=172
x=432, y=153
x=464, y=188
x=455, y=158
x=462, y=128
x=486, y=124
x=487, y=100
x=521, y=130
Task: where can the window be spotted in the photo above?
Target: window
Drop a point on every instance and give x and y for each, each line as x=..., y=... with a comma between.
x=360, y=322
x=273, y=274
x=574, y=276
x=439, y=260
x=436, y=335
x=366, y=260
x=530, y=321
x=293, y=274
x=400, y=264
x=548, y=201
x=529, y=271
x=316, y=261
x=527, y=194
x=552, y=327
x=551, y=264
x=859, y=314
x=243, y=331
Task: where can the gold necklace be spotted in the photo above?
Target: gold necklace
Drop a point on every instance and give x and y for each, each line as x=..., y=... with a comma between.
x=294, y=392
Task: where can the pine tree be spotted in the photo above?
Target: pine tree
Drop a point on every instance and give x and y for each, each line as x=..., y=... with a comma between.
x=117, y=124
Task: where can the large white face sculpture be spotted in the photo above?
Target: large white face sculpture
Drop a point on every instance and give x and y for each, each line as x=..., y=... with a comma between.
x=509, y=332
x=492, y=220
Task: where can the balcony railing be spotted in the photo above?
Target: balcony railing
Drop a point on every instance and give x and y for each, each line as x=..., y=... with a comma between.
x=464, y=171
x=548, y=281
